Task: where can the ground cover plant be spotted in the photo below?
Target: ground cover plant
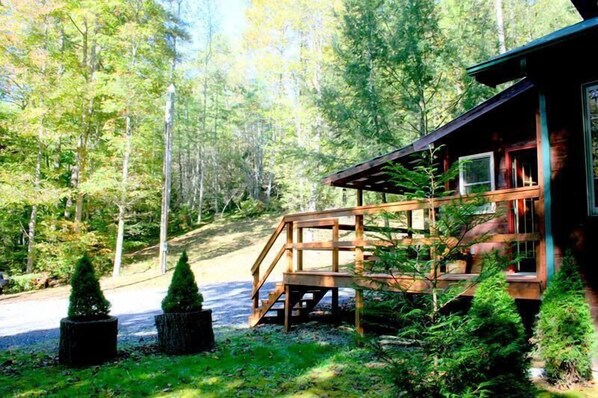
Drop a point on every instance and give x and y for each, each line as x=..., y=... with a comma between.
x=308, y=362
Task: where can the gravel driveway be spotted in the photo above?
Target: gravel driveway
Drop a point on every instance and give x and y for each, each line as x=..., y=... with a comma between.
x=29, y=322
x=26, y=323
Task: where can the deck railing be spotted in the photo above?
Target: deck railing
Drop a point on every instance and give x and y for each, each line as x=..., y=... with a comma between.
x=294, y=225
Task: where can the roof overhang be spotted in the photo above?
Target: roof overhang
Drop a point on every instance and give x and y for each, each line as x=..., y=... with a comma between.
x=517, y=63
x=371, y=174
x=586, y=8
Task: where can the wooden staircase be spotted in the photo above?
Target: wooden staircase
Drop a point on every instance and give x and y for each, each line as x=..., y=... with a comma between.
x=302, y=300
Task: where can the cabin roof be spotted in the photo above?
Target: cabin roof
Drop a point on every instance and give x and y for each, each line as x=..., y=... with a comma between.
x=514, y=64
x=370, y=175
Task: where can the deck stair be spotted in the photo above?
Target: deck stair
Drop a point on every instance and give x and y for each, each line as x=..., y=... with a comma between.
x=302, y=301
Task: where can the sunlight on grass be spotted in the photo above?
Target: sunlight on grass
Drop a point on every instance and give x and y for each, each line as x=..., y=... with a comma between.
x=247, y=363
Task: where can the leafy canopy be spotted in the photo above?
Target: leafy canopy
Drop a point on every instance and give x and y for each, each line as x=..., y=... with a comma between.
x=87, y=300
x=183, y=294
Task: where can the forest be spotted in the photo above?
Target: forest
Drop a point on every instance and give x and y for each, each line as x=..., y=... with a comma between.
x=258, y=118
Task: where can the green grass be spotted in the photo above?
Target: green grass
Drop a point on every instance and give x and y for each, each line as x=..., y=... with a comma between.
x=261, y=363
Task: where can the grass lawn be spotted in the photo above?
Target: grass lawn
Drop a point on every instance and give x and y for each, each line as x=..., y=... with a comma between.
x=311, y=362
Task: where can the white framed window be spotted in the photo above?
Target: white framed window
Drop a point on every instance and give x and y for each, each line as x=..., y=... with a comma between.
x=590, y=124
x=476, y=175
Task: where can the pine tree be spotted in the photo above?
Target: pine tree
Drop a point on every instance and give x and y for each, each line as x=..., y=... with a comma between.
x=87, y=300
x=183, y=294
x=565, y=334
x=493, y=356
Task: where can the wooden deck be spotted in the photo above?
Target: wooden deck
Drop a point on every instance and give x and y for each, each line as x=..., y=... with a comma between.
x=344, y=232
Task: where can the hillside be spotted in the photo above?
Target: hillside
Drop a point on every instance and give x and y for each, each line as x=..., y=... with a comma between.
x=222, y=251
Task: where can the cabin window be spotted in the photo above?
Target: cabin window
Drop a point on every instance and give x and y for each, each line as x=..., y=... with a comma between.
x=590, y=97
x=476, y=175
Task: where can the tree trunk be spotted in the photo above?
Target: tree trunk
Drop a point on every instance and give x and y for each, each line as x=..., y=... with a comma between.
x=500, y=26
x=33, y=217
x=201, y=192
x=168, y=124
x=123, y=200
x=185, y=333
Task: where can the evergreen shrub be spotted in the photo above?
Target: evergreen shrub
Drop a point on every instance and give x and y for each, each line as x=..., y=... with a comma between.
x=86, y=302
x=564, y=333
x=183, y=294
x=493, y=358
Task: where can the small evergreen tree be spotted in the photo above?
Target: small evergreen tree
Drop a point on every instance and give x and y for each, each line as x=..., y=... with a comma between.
x=183, y=294
x=564, y=333
x=492, y=359
x=86, y=301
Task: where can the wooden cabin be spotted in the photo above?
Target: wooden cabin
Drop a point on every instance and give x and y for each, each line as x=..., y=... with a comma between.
x=536, y=144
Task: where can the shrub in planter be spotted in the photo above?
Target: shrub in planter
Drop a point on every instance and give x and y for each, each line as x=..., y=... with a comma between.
x=184, y=327
x=564, y=334
x=88, y=334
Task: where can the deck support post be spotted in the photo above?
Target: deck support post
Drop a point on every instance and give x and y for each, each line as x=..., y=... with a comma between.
x=360, y=197
x=358, y=273
x=288, y=311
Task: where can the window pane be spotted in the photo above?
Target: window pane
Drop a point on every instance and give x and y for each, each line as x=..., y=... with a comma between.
x=477, y=170
x=478, y=188
x=592, y=98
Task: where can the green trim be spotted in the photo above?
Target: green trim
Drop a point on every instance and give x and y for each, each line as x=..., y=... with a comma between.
x=547, y=179
x=550, y=40
x=587, y=130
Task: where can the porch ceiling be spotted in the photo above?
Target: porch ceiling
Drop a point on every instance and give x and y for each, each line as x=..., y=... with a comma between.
x=371, y=176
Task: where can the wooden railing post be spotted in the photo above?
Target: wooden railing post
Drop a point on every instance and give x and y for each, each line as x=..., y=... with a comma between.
x=288, y=311
x=289, y=246
x=256, y=281
x=358, y=272
x=299, y=251
x=335, y=238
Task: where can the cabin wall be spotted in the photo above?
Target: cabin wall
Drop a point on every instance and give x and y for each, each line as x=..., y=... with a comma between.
x=513, y=126
x=572, y=228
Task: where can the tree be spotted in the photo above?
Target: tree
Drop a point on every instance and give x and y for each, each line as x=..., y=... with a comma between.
x=425, y=321
x=564, y=334
x=183, y=294
x=491, y=355
x=86, y=301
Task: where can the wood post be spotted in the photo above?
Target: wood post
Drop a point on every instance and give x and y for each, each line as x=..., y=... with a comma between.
x=288, y=311
x=256, y=281
x=335, y=238
x=409, y=215
x=289, y=246
x=358, y=272
x=360, y=197
x=299, y=251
